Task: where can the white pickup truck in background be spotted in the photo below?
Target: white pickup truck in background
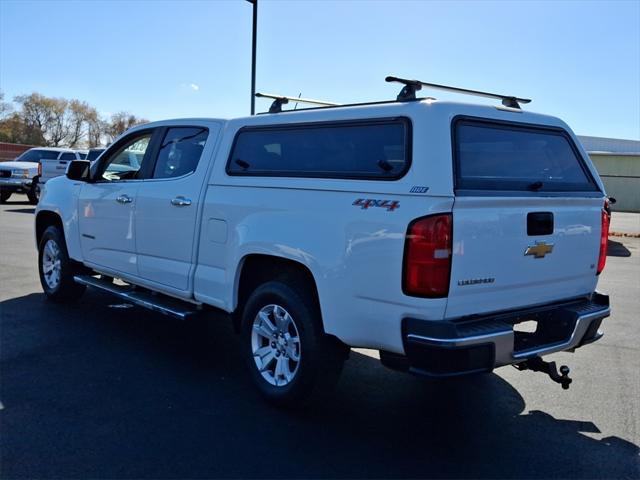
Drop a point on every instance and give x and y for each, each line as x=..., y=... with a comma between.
x=23, y=175
x=54, y=167
x=427, y=230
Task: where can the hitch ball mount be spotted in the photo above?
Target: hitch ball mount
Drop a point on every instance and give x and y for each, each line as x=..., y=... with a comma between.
x=537, y=364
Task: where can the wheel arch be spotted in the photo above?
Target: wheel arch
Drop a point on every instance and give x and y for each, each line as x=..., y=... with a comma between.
x=45, y=219
x=257, y=268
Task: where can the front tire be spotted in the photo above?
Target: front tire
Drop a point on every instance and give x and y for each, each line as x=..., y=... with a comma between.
x=34, y=192
x=4, y=195
x=56, y=268
x=287, y=352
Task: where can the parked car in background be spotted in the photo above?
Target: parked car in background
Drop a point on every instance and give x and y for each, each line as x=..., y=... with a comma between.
x=18, y=177
x=23, y=174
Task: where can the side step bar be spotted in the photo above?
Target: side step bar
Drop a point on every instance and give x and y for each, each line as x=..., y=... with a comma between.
x=143, y=298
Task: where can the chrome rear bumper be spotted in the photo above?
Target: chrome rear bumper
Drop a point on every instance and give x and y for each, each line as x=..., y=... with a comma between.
x=445, y=348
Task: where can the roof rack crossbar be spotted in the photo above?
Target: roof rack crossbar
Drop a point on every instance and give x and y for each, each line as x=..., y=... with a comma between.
x=279, y=100
x=410, y=88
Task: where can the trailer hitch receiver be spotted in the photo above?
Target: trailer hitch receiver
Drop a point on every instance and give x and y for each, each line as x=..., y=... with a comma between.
x=537, y=364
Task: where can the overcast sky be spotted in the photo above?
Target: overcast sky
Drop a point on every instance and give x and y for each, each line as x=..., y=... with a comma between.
x=164, y=59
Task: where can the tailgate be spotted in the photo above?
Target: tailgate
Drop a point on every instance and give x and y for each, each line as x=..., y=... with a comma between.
x=497, y=265
x=526, y=218
x=52, y=168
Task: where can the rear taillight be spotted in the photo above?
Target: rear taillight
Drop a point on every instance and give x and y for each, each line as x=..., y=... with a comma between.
x=604, y=237
x=39, y=169
x=427, y=257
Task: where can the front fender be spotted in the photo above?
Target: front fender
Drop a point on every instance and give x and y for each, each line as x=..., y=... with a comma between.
x=60, y=196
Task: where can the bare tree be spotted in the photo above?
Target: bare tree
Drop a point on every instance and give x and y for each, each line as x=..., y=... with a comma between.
x=79, y=116
x=59, y=121
x=96, y=128
x=121, y=122
x=36, y=110
x=58, y=130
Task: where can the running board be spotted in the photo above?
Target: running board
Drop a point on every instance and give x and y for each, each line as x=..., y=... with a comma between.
x=143, y=298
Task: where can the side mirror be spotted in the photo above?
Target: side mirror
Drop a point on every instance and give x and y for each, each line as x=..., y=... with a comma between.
x=78, y=170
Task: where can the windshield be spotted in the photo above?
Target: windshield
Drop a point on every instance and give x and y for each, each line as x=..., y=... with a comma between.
x=35, y=155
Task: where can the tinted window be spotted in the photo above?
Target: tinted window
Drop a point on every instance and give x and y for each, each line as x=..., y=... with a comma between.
x=93, y=154
x=82, y=155
x=500, y=157
x=180, y=151
x=356, y=150
x=68, y=156
x=125, y=163
x=37, y=155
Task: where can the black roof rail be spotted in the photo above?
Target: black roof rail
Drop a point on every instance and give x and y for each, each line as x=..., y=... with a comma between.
x=279, y=100
x=410, y=88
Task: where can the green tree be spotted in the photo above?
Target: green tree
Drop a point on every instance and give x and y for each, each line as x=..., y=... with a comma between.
x=13, y=129
x=5, y=107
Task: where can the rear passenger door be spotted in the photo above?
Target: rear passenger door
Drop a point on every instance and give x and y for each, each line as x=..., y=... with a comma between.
x=168, y=205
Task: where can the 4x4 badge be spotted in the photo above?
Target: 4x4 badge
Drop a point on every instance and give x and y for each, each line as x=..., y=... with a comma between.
x=366, y=203
x=539, y=250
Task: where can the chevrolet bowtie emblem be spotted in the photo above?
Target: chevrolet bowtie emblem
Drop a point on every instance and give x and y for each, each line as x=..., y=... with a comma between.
x=539, y=250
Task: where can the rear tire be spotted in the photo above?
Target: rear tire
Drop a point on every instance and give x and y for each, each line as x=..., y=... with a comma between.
x=4, y=195
x=286, y=370
x=56, y=268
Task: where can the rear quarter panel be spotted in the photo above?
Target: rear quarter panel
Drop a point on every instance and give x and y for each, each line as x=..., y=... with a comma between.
x=355, y=254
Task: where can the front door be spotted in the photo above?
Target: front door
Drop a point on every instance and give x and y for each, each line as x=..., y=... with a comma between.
x=106, y=206
x=168, y=204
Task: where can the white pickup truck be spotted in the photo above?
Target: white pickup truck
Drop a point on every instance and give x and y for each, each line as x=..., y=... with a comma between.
x=52, y=167
x=428, y=230
x=23, y=175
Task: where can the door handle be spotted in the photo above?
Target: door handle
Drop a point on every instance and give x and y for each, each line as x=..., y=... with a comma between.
x=180, y=201
x=124, y=199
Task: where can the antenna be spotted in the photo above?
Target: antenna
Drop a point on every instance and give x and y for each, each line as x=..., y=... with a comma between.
x=408, y=92
x=279, y=100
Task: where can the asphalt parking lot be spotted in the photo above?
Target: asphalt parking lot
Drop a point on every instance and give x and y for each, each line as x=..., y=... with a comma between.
x=97, y=390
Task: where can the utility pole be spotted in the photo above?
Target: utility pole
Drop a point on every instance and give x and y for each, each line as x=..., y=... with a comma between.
x=253, y=55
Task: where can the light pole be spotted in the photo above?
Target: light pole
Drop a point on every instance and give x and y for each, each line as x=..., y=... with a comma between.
x=253, y=55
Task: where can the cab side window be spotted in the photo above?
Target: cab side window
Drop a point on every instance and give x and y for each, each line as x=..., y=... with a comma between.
x=180, y=151
x=126, y=162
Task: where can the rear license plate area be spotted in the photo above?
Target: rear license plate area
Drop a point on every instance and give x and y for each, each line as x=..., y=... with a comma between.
x=540, y=330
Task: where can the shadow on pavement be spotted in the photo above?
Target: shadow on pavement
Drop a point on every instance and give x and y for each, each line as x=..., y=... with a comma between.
x=21, y=210
x=94, y=391
x=617, y=249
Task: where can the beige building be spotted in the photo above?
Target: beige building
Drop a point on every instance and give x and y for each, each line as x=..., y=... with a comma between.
x=618, y=163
